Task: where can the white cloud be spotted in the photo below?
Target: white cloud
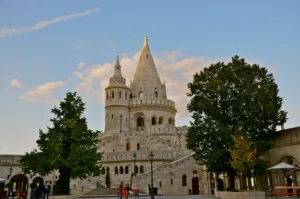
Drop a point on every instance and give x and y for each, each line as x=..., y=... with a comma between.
x=43, y=92
x=80, y=65
x=16, y=83
x=4, y=32
x=173, y=68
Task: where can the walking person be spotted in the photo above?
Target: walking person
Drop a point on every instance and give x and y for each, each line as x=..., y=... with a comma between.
x=47, y=190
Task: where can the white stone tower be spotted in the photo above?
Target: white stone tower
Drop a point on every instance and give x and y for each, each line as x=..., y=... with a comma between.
x=117, y=101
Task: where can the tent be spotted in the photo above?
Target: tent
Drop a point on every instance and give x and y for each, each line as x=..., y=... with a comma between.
x=283, y=166
x=2, y=180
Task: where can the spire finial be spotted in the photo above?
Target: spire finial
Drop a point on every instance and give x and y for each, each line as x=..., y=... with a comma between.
x=146, y=40
x=117, y=61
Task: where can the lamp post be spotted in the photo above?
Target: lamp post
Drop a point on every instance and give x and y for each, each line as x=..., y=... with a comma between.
x=10, y=172
x=134, y=161
x=121, y=117
x=151, y=156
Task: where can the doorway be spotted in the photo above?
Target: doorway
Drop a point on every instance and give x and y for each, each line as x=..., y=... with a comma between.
x=195, y=186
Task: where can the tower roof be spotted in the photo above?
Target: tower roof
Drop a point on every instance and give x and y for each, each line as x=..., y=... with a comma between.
x=146, y=69
x=117, y=68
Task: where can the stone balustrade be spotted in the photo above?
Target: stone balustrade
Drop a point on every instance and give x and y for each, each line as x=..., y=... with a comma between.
x=140, y=155
x=160, y=102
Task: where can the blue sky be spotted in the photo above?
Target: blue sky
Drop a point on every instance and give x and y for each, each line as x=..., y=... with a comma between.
x=48, y=48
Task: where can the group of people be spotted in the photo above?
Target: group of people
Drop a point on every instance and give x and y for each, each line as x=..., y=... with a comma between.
x=40, y=191
x=125, y=191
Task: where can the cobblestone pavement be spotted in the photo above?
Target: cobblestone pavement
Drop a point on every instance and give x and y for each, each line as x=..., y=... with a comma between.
x=168, y=197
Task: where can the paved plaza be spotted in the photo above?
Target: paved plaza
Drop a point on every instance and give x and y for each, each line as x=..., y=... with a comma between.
x=169, y=197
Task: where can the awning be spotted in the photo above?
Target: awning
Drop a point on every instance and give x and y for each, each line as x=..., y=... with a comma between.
x=282, y=165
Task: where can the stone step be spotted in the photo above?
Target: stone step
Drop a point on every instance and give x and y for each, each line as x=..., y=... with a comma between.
x=103, y=191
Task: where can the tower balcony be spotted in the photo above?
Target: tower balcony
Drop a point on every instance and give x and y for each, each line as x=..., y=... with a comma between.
x=151, y=102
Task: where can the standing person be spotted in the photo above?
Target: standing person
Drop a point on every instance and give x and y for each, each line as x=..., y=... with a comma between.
x=121, y=190
x=47, y=190
x=10, y=195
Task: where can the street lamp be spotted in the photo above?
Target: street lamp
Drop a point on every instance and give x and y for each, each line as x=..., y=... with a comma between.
x=10, y=172
x=121, y=117
x=134, y=160
x=151, y=156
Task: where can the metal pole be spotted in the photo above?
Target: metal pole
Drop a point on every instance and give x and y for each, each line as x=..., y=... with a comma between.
x=152, y=191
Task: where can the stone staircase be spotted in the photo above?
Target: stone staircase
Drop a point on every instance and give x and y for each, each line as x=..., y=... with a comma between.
x=101, y=191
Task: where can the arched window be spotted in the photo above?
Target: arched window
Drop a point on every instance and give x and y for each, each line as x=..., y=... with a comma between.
x=127, y=146
x=138, y=146
x=160, y=121
x=112, y=115
x=184, y=181
x=153, y=120
x=136, y=169
x=160, y=184
x=125, y=95
x=103, y=171
x=120, y=94
x=141, y=94
x=141, y=169
x=170, y=120
x=126, y=170
x=106, y=95
x=112, y=94
x=155, y=94
x=107, y=169
x=121, y=170
x=116, y=170
x=140, y=121
x=130, y=96
x=171, y=180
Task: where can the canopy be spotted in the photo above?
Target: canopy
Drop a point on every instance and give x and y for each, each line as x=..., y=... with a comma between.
x=2, y=180
x=283, y=165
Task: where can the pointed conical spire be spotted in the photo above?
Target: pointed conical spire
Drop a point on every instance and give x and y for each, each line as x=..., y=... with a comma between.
x=117, y=68
x=146, y=68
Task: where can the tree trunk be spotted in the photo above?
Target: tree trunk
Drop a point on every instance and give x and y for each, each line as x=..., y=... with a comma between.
x=62, y=186
x=231, y=176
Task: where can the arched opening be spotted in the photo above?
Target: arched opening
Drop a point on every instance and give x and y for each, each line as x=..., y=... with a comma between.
x=126, y=170
x=39, y=180
x=107, y=169
x=290, y=160
x=127, y=146
x=184, y=181
x=140, y=123
x=121, y=170
x=136, y=169
x=155, y=94
x=125, y=95
x=195, y=185
x=160, y=184
x=116, y=170
x=103, y=171
x=160, y=120
x=141, y=169
x=120, y=94
x=112, y=94
x=153, y=120
x=138, y=146
x=20, y=184
x=141, y=94
x=130, y=96
x=171, y=180
x=170, y=120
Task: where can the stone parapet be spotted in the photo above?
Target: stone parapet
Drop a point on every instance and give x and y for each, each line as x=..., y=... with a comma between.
x=242, y=195
x=158, y=102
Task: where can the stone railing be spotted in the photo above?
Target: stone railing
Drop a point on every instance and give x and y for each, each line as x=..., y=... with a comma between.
x=140, y=155
x=160, y=102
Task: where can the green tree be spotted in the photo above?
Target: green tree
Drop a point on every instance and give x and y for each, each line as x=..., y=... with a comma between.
x=68, y=146
x=236, y=98
x=107, y=179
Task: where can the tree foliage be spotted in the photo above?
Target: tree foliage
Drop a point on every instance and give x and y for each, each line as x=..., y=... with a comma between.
x=68, y=146
x=237, y=99
x=243, y=154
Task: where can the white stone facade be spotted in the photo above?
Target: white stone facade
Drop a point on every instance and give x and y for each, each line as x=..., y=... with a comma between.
x=140, y=119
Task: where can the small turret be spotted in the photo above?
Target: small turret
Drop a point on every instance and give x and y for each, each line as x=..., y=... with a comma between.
x=117, y=102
